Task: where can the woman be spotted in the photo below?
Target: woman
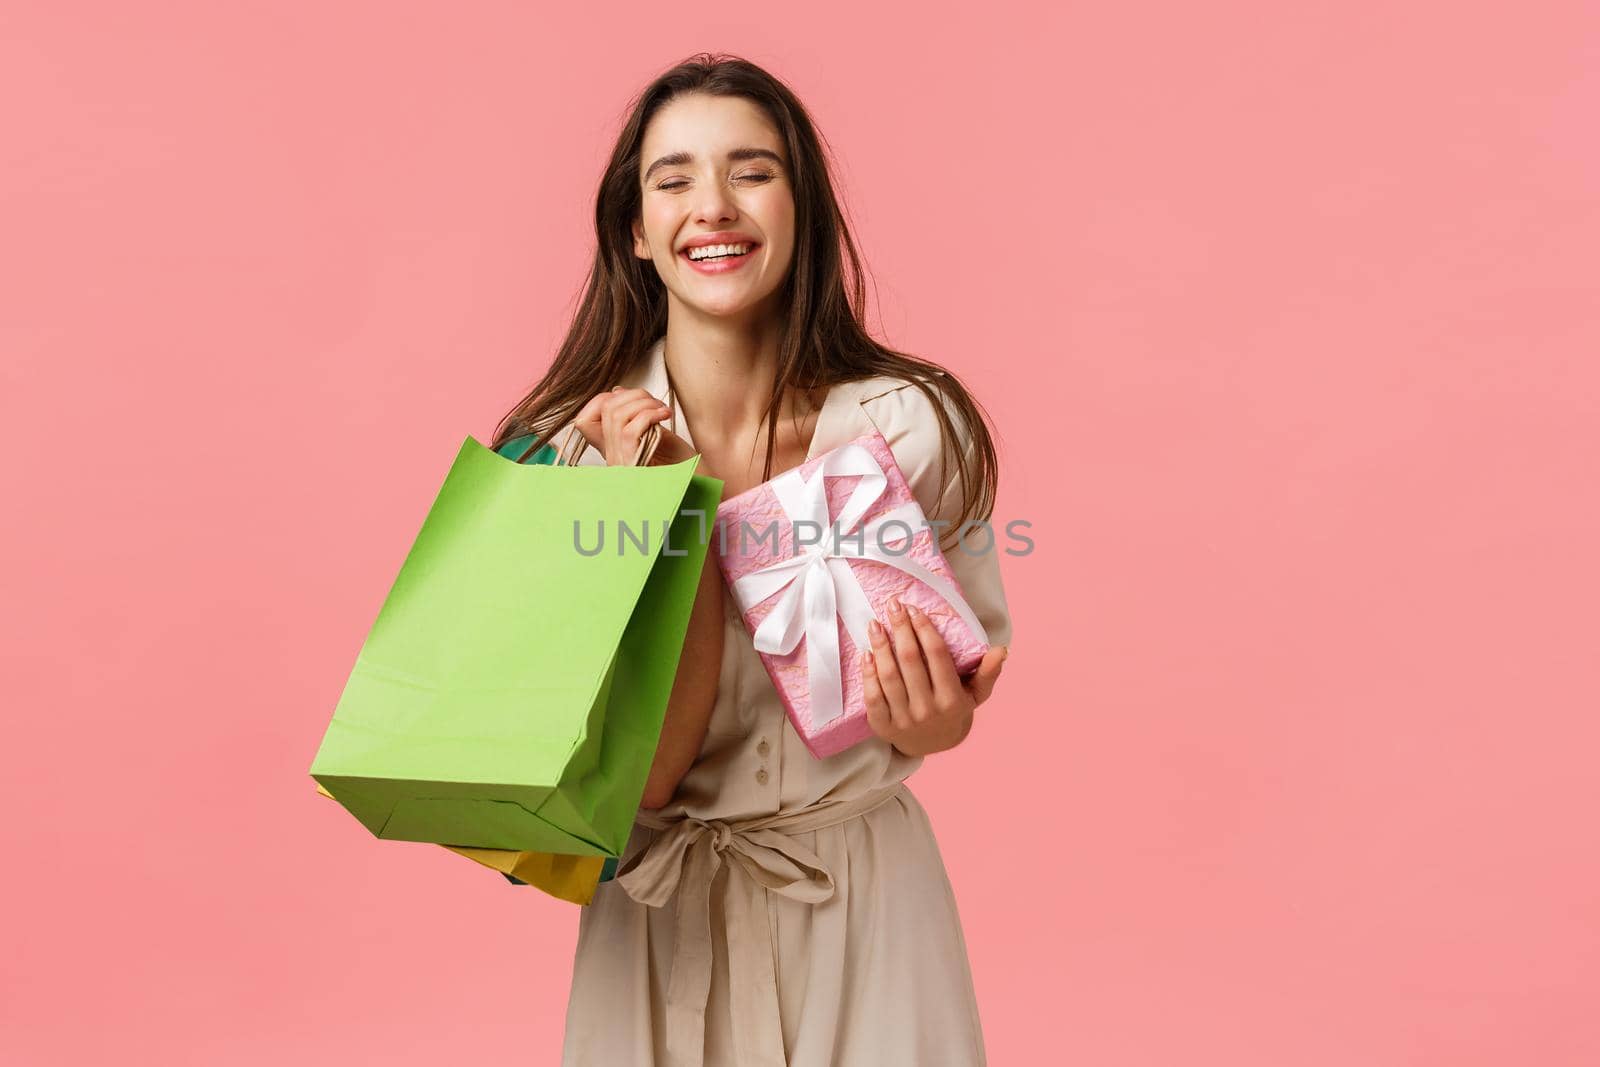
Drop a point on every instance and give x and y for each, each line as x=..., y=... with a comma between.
x=770, y=908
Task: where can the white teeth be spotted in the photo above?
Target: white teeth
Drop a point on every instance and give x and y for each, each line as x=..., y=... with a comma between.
x=707, y=251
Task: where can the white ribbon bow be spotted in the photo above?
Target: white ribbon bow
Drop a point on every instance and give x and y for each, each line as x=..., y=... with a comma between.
x=822, y=587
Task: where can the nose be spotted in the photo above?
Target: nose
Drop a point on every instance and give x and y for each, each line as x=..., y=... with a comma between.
x=713, y=205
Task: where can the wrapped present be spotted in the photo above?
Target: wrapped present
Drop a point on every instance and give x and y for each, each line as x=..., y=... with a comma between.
x=815, y=554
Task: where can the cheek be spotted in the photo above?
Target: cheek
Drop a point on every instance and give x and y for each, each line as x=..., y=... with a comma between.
x=658, y=228
x=781, y=225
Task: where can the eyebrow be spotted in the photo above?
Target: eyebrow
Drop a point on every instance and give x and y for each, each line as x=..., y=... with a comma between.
x=737, y=155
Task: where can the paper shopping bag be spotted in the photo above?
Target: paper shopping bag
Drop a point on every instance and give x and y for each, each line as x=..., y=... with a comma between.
x=570, y=878
x=566, y=877
x=510, y=693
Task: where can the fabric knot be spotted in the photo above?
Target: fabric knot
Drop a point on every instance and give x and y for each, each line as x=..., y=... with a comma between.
x=765, y=859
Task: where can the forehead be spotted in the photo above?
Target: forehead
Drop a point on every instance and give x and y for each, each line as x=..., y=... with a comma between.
x=705, y=125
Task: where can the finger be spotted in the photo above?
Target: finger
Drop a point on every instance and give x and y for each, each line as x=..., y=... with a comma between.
x=872, y=695
x=587, y=420
x=617, y=413
x=634, y=428
x=981, y=684
x=620, y=396
x=616, y=419
x=941, y=664
x=908, y=657
x=633, y=435
x=888, y=670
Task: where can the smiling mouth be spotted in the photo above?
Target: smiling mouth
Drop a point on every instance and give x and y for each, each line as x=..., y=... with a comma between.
x=720, y=252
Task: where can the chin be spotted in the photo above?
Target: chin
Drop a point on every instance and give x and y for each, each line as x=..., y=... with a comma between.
x=726, y=309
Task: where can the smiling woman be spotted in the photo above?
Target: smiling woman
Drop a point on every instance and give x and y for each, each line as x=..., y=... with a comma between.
x=720, y=211
x=771, y=909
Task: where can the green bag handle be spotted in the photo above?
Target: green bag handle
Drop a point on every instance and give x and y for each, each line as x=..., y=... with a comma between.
x=546, y=456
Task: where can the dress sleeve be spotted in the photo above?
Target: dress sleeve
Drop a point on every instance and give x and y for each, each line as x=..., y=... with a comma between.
x=906, y=419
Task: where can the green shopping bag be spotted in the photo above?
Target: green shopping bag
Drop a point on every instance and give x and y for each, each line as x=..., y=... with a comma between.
x=511, y=692
x=547, y=454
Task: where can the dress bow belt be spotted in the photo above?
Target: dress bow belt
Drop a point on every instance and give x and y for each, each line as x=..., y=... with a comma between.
x=685, y=859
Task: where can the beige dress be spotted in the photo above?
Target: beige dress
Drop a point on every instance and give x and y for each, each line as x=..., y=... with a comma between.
x=786, y=911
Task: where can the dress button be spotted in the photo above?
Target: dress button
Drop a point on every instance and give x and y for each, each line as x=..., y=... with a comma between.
x=763, y=747
x=761, y=776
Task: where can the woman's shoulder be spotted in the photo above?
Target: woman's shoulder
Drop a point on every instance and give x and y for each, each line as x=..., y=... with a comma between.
x=904, y=413
x=909, y=404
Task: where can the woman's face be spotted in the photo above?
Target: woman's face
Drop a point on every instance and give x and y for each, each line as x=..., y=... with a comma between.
x=715, y=167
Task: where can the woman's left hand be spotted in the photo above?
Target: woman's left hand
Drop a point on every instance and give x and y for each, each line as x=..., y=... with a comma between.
x=915, y=699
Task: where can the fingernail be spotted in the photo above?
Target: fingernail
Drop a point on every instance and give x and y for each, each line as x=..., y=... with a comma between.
x=875, y=628
x=914, y=611
x=895, y=609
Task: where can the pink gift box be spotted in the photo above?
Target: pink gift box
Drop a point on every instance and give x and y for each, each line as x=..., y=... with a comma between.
x=825, y=582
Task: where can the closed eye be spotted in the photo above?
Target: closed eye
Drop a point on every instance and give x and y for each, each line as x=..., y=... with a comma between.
x=759, y=177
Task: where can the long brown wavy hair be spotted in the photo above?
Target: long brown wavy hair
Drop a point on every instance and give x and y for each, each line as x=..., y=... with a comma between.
x=822, y=343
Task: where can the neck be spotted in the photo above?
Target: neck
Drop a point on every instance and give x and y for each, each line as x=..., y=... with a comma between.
x=722, y=375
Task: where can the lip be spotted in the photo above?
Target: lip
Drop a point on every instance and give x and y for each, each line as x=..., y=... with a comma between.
x=720, y=266
x=721, y=237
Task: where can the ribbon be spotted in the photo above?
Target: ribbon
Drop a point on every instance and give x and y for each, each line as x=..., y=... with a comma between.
x=819, y=585
x=764, y=858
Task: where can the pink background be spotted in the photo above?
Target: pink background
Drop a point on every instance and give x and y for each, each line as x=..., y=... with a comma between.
x=1286, y=314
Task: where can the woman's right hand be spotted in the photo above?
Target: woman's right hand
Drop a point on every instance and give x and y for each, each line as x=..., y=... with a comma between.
x=614, y=423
